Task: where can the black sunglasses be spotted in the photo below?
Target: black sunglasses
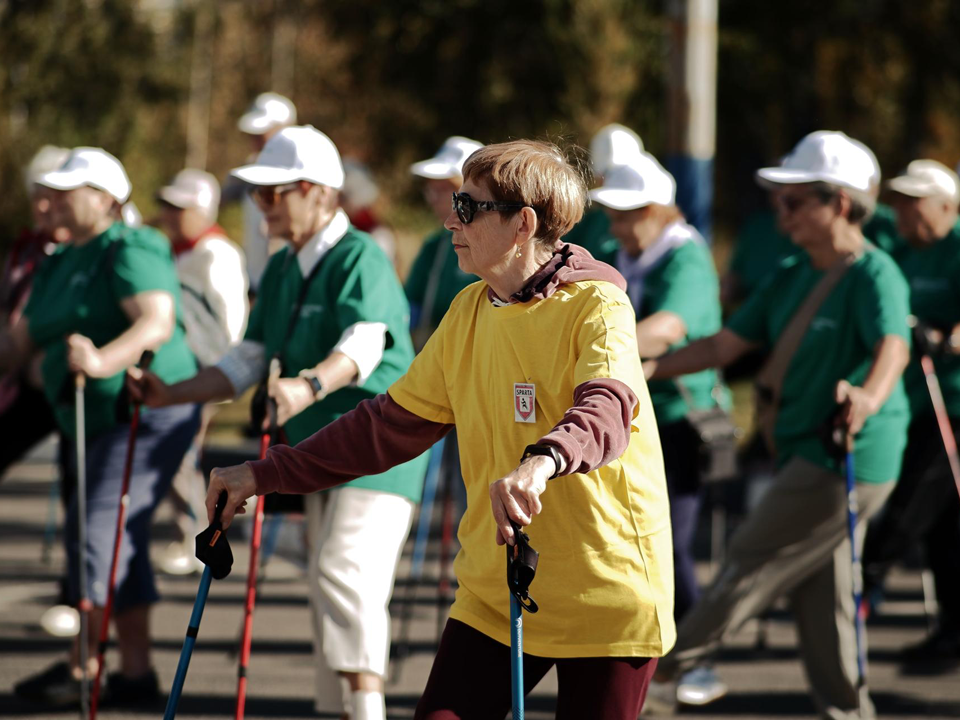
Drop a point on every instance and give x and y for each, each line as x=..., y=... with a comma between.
x=467, y=207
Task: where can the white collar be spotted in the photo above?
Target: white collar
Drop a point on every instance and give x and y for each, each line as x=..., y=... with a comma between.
x=673, y=235
x=321, y=243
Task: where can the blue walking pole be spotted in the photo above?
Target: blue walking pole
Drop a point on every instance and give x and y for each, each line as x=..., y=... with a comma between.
x=852, y=510
x=521, y=568
x=214, y=551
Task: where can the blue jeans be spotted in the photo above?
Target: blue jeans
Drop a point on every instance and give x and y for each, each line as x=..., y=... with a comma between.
x=163, y=438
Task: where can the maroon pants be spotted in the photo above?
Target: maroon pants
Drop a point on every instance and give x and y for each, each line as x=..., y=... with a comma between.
x=470, y=680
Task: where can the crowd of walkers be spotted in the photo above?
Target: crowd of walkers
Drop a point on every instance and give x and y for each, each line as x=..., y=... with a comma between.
x=565, y=340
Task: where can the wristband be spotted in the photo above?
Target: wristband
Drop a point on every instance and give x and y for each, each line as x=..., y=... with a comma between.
x=548, y=450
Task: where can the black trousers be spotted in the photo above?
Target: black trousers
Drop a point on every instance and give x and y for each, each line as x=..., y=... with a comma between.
x=923, y=508
x=27, y=421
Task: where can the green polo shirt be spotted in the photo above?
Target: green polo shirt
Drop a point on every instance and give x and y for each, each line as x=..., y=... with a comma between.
x=933, y=274
x=684, y=283
x=78, y=290
x=869, y=302
x=355, y=283
x=881, y=230
x=450, y=281
x=593, y=233
x=759, y=250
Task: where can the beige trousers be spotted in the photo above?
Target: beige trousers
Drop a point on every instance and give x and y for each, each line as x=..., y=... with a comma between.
x=794, y=543
x=356, y=537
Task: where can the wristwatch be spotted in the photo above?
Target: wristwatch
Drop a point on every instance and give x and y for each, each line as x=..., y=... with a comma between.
x=548, y=450
x=316, y=386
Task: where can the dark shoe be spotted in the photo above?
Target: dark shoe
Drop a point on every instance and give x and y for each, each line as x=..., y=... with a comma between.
x=139, y=692
x=55, y=686
x=935, y=649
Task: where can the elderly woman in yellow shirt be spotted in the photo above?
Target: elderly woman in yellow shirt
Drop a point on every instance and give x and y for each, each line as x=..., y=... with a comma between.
x=536, y=361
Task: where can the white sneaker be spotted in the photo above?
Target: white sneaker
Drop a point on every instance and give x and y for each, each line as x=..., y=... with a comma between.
x=177, y=560
x=661, y=700
x=61, y=621
x=700, y=686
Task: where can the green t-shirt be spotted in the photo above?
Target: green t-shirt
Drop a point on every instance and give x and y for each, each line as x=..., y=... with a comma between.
x=868, y=303
x=355, y=283
x=440, y=276
x=881, y=230
x=78, y=290
x=593, y=233
x=684, y=283
x=933, y=274
x=759, y=250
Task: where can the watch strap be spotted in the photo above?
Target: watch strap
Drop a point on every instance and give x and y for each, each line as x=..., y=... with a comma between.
x=550, y=451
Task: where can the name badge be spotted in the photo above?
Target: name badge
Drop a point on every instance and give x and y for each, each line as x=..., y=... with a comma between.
x=524, y=402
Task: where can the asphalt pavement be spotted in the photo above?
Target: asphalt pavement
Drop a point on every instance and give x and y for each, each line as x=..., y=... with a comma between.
x=764, y=683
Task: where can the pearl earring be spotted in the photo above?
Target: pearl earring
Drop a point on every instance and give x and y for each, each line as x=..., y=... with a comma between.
x=518, y=253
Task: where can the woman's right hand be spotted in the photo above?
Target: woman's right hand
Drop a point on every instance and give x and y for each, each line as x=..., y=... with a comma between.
x=238, y=483
x=145, y=387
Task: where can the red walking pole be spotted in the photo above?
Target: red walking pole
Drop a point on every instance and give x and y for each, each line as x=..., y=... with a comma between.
x=145, y=360
x=265, y=442
x=943, y=420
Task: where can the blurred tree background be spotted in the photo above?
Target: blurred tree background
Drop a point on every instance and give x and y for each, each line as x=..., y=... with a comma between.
x=158, y=81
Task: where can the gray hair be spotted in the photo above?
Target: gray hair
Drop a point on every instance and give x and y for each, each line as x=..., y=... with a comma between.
x=862, y=202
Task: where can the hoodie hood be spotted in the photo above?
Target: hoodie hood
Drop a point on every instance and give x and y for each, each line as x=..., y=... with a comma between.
x=569, y=264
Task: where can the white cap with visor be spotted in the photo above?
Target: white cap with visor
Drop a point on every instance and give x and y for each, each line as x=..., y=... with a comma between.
x=268, y=111
x=447, y=164
x=927, y=178
x=89, y=166
x=614, y=145
x=826, y=156
x=295, y=153
x=193, y=189
x=641, y=183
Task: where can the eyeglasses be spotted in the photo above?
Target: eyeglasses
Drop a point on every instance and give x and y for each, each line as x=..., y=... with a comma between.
x=467, y=207
x=269, y=195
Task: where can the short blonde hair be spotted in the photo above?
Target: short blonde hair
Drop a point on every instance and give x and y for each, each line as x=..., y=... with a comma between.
x=536, y=174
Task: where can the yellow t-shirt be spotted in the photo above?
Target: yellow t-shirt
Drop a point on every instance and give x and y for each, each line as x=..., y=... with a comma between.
x=605, y=577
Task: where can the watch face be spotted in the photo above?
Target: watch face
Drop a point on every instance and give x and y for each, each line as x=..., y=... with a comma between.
x=315, y=384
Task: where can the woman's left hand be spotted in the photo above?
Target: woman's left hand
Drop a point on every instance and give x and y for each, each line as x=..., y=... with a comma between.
x=517, y=496
x=292, y=395
x=83, y=356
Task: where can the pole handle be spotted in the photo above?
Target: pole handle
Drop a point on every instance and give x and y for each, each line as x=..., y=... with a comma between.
x=80, y=381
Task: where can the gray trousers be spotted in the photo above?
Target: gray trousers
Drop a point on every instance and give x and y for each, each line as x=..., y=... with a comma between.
x=794, y=543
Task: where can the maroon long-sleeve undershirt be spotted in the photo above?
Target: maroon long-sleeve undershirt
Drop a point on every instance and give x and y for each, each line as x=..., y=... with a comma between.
x=379, y=434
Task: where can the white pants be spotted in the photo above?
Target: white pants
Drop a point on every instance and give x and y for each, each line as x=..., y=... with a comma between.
x=356, y=537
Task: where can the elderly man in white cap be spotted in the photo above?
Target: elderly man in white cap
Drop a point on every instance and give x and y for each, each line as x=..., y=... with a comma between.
x=925, y=508
x=97, y=305
x=332, y=311
x=612, y=146
x=213, y=279
x=435, y=277
x=268, y=115
x=673, y=287
x=834, y=320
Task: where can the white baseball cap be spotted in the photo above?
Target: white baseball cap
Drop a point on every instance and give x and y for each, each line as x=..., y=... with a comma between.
x=47, y=159
x=927, y=178
x=827, y=156
x=613, y=145
x=295, y=153
x=90, y=166
x=193, y=189
x=268, y=111
x=449, y=160
x=643, y=182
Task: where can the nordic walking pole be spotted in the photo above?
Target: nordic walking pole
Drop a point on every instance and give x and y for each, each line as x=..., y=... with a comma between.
x=209, y=540
x=81, y=432
x=145, y=361
x=521, y=567
x=943, y=420
x=265, y=441
x=857, y=572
